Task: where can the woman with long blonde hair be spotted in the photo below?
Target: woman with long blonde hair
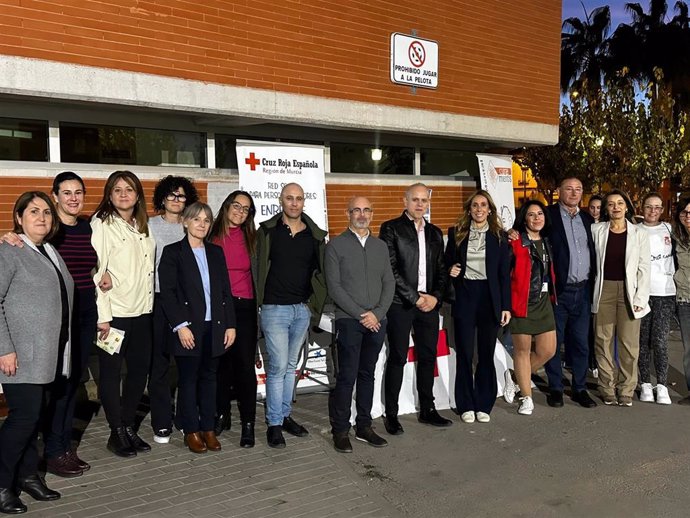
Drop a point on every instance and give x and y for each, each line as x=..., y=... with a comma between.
x=478, y=259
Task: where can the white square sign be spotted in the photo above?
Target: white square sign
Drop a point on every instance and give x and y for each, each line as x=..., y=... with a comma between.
x=414, y=61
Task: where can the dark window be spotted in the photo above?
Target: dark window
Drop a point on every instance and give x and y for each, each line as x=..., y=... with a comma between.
x=25, y=140
x=226, y=152
x=86, y=143
x=357, y=158
x=449, y=162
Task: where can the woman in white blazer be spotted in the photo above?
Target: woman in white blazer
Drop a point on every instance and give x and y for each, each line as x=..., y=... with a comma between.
x=621, y=296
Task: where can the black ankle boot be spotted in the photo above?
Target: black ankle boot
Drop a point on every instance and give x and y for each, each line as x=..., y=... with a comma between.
x=10, y=502
x=137, y=442
x=37, y=489
x=247, y=437
x=119, y=444
x=223, y=422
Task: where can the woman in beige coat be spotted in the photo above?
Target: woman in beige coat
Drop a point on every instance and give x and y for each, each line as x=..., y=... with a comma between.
x=621, y=296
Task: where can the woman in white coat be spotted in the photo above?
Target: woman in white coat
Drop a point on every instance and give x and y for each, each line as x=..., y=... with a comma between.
x=621, y=296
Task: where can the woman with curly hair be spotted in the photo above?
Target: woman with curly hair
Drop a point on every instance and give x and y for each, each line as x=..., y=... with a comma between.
x=170, y=197
x=478, y=259
x=234, y=231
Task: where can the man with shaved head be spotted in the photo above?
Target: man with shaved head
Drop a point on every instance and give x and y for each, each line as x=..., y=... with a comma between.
x=289, y=283
x=360, y=282
x=415, y=249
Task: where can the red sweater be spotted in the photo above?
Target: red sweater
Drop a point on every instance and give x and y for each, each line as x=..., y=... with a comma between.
x=520, y=276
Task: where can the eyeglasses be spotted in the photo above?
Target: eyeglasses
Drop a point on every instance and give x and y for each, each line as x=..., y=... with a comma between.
x=357, y=211
x=239, y=207
x=655, y=208
x=176, y=196
x=684, y=214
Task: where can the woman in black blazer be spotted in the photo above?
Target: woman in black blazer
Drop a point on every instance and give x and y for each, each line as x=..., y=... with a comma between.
x=478, y=259
x=197, y=301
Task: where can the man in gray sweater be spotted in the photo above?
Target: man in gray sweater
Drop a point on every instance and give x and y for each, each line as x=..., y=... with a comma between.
x=360, y=282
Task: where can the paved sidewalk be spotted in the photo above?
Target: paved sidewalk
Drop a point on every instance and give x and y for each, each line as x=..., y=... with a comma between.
x=307, y=479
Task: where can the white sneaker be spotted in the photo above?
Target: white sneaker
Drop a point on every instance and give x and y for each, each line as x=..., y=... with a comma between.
x=526, y=406
x=467, y=417
x=483, y=417
x=662, y=396
x=646, y=393
x=510, y=389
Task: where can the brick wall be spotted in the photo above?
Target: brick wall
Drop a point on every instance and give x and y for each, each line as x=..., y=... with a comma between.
x=497, y=58
x=387, y=200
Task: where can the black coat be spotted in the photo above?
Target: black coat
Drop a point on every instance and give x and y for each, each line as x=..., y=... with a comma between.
x=497, y=261
x=400, y=234
x=561, y=249
x=182, y=295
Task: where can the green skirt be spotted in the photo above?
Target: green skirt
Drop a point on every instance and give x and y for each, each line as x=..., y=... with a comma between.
x=539, y=318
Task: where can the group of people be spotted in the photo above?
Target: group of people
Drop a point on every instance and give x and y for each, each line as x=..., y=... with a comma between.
x=199, y=289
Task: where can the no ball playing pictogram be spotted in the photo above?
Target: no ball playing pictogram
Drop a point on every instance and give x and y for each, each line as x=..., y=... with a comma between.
x=416, y=53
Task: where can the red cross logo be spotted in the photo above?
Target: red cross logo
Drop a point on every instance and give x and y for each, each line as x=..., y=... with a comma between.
x=252, y=161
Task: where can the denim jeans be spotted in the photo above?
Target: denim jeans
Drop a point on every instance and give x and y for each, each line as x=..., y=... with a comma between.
x=285, y=328
x=683, y=310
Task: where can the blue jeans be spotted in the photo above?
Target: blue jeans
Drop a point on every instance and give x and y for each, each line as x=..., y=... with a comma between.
x=573, y=319
x=285, y=328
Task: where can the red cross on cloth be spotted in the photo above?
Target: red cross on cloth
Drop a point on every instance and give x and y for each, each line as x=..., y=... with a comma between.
x=442, y=349
x=252, y=161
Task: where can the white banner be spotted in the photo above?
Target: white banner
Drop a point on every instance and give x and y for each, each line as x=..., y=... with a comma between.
x=496, y=173
x=266, y=167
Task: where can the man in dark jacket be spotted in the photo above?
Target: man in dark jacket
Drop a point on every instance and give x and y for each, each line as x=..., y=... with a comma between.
x=290, y=282
x=361, y=284
x=415, y=248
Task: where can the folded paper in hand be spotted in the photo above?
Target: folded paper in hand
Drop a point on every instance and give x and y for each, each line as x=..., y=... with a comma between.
x=113, y=342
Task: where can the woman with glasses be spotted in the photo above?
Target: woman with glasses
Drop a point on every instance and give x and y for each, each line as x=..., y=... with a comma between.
x=234, y=231
x=170, y=197
x=656, y=325
x=681, y=232
x=621, y=297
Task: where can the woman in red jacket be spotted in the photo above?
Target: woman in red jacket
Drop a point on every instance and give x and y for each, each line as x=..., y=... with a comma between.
x=532, y=291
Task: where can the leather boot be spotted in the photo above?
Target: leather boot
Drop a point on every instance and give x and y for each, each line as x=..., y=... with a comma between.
x=37, y=489
x=81, y=464
x=10, y=502
x=63, y=466
x=195, y=443
x=247, y=437
x=223, y=422
x=137, y=442
x=119, y=444
x=211, y=440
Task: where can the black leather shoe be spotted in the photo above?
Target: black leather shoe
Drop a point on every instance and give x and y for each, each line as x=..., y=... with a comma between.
x=555, y=399
x=433, y=418
x=223, y=422
x=369, y=436
x=63, y=466
x=37, y=489
x=291, y=427
x=137, y=442
x=119, y=444
x=583, y=399
x=274, y=437
x=10, y=502
x=341, y=442
x=247, y=437
x=392, y=425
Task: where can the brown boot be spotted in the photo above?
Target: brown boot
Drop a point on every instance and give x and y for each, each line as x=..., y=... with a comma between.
x=211, y=440
x=195, y=442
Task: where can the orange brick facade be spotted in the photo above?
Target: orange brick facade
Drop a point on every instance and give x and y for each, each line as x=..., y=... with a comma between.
x=387, y=200
x=498, y=59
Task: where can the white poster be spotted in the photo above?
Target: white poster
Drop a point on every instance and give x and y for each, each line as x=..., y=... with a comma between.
x=496, y=173
x=266, y=167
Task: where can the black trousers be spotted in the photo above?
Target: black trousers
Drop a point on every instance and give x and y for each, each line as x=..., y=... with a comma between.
x=19, y=432
x=159, y=380
x=196, y=387
x=236, y=371
x=136, y=351
x=475, y=392
x=358, y=351
x=62, y=393
x=401, y=321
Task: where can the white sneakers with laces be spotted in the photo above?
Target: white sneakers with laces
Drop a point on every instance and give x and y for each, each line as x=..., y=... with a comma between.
x=510, y=388
x=467, y=417
x=526, y=406
x=662, y=396
x=646, y=393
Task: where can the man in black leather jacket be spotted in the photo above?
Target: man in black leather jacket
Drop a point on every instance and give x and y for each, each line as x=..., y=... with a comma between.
x=419, y=290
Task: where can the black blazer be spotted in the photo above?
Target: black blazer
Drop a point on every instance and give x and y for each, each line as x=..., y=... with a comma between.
x=182, y=295
x=561, y=250
x=497, y=260
x=400, y=234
